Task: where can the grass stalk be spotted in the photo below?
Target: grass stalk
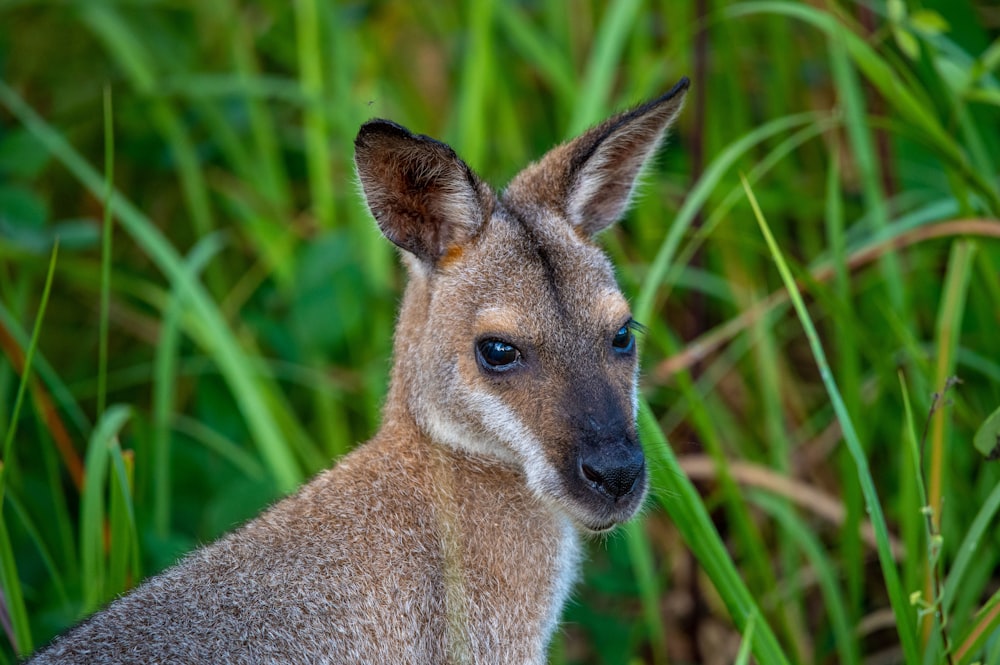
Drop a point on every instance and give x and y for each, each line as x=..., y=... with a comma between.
x=681, y=501
x=477, y=71
x=757, y=569
x=135, y=59
x=697, y=197
x=949, y=325
x=96, y=589
x=987, y=621
x=834, y=602
x=123, y=544
x=851, y=98
x=848, y=369
x=899, y=601
x=13, y=594
x=8, y=443
x=975, y=538
x=107, y=230
x=44, y=554
x=641, y=557
x=212, y=330
x=594, y=92
x=273, y=173
x=317, y=137
x=913, y=106
x=164, y=376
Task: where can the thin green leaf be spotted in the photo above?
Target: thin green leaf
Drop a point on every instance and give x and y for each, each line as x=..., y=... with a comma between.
x=595, y=89
x=977, y=536
x=92, y=512
x=108, y=229
x=13, y=593
x=26, y=372
x=641, y=556
x=211, y=329
x=164, y=377
x=310, y=59
x=697, y=197
x=834, y=603
x=987, y=439
x=681, y=501
x=900, y=603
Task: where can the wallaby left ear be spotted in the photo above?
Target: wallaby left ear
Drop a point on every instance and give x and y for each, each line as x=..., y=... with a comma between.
x=591, y=178
x=424, y=198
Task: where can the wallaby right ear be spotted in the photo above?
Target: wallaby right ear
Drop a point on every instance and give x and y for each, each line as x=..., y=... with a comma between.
x=424, y=198
x=590, y=179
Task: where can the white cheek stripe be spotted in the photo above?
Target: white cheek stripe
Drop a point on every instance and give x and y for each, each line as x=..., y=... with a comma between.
x=451, y=433
x=503, y=423
x=506, y=438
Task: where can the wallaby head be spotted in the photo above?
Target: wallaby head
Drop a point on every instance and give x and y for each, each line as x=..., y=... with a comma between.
x=514, y=341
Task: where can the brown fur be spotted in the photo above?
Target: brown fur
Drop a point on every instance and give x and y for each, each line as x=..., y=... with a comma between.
x=452, y=536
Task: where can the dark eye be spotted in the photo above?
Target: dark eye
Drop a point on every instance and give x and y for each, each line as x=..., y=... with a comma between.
x=496, y=355
x=624, y=340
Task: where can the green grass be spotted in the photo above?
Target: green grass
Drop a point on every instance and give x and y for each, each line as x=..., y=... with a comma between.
x=234, y=337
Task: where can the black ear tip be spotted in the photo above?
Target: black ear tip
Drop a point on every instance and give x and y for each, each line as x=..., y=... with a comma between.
x=679, y=87
x=379, y=127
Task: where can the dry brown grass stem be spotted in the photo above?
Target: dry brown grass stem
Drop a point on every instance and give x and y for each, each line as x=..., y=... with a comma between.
x=703, y=346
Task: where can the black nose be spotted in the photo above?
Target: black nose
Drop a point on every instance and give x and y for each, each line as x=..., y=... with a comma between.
x=613, y=469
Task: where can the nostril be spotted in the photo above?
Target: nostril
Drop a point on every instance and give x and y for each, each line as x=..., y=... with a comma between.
x=591, y=474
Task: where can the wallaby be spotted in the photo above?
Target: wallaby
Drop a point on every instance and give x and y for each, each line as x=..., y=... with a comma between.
x=509, y=432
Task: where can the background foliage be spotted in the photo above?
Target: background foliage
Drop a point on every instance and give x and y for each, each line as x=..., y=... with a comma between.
x=227, y=334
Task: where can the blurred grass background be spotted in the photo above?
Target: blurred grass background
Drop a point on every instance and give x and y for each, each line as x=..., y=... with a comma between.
x=214, y=326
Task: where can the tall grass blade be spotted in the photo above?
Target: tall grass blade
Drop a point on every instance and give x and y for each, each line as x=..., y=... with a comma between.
x=834, y=602
x=61, y=393
x=975, y=539
x=914, y=526
x=681, y=501
x=746, y=646
x=949, y=325
x=641, y=556
x=913, y=106
x=135, y=60
x=8, y=442
x=212, y=331
x=164, y=375
x=13, y=594
x=317, y=137
x=536, y=48
x=985, y=627
x=123, y=547
x=898, y=599
x=859, y=134
x=697, y=197
x=92, y=510
x=477, y=72
x=107, y=230
x=592, y=97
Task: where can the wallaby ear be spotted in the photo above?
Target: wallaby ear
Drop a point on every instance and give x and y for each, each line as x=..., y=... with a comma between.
x=424, y=198
x=591, y=178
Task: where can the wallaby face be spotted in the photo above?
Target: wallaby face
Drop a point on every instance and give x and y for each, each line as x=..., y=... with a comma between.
x=514, y=341
x=509, y=428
